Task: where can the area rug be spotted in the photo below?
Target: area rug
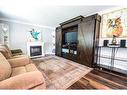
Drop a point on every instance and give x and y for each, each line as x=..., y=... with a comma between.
x=60, y=73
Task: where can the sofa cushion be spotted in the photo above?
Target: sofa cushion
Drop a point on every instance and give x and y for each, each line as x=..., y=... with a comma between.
x=20, y=56
x=5, y=68
x=9, y=51
x=19, y=61
x=23, y=81
x=18, y=70
x=23, y=69
x=30, y=67
x=5, y=52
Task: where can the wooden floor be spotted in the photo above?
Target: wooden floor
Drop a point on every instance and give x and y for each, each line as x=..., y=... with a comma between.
x=60, y=73
x=99, y=79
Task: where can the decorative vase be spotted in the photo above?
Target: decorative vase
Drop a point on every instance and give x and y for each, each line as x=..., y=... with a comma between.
x=114, y=40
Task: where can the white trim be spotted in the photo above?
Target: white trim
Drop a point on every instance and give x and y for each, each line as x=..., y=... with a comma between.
x=20, y=22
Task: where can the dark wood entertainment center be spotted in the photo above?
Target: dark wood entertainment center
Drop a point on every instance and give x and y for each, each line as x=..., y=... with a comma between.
x=83, y=50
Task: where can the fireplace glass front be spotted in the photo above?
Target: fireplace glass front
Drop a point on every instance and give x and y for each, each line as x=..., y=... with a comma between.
x=35, y=50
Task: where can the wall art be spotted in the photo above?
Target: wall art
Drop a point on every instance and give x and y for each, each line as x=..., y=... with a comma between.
x=33, y=35
x=114, y=24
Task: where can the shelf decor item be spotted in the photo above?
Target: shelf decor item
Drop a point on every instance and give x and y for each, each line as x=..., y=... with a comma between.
x=105, y=43
x=114, y=42
x=123, y=43
x=114, y=24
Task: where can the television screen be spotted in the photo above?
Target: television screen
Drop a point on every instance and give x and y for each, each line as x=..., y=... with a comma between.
x=71, y=37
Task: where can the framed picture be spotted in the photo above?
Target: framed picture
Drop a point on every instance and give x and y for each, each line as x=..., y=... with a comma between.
x=33, y=35
x=114, y=24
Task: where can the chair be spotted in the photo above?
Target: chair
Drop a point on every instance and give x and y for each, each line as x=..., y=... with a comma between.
x=20, y=73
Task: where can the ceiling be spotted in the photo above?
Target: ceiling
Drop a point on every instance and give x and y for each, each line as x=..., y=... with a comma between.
x=47, y=15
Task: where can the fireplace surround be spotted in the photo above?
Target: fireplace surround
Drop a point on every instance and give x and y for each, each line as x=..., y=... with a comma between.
x=35, y=49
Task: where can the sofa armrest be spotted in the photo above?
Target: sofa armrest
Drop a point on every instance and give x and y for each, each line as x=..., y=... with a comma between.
x=19, y=61
x=23, y=81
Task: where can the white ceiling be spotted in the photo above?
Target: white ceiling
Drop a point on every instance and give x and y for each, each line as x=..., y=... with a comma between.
x=47, y=15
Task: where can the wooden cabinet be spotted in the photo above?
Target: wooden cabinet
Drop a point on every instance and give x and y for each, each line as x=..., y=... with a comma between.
x=58, y=41
x=88, y=38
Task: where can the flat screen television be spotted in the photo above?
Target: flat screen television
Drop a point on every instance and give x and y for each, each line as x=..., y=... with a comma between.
x=71, y=37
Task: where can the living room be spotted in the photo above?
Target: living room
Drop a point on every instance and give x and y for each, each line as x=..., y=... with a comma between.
x=63, y=47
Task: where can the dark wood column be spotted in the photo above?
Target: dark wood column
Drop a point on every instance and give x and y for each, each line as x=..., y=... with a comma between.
x=58, y=41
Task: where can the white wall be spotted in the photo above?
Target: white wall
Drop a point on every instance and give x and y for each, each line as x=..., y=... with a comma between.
x=18, y=36
x=120, y=54
x=49, y=40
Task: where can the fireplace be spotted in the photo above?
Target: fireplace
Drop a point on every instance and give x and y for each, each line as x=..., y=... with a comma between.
x=35, y=50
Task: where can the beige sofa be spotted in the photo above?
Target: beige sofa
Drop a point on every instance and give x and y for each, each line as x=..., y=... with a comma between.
x=7, y=52
x=20, y=73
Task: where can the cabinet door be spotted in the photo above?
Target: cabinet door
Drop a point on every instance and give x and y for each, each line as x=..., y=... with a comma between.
x=58, y=41
x=85, y=42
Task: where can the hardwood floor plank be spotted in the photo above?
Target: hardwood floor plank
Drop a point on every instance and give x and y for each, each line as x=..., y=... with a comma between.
x=82, y=84
x=110, y=76
x=97, y=79
x=96, y=84
x=106, y=82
